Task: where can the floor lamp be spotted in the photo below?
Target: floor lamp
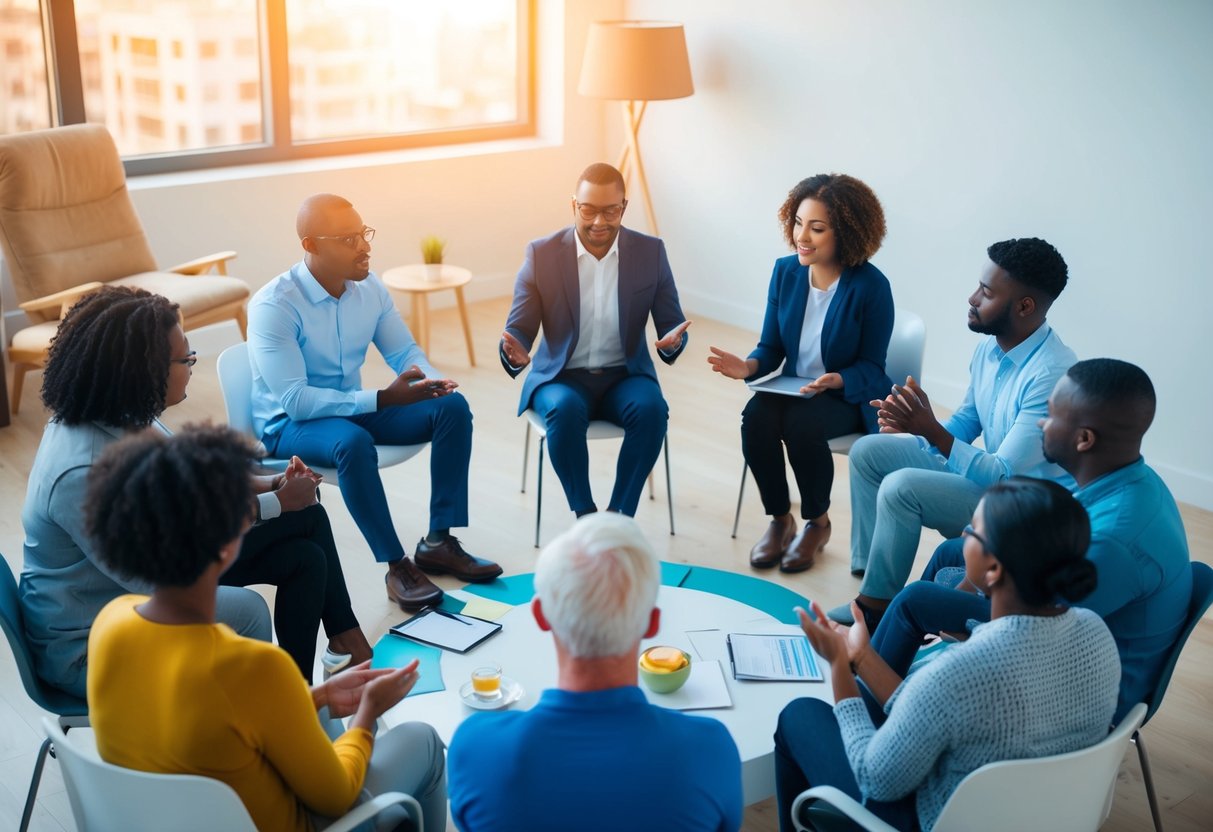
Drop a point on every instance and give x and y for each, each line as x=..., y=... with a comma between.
x=635, y=62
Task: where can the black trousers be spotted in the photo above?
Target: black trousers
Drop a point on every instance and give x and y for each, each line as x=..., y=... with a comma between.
x=805, y=426
x=296, y=553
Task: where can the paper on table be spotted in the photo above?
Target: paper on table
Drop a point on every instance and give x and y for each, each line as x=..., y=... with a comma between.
x=393, y=651
x=516, y=589
x=453, y=631
x=773, y=658
x=706, y=688
x=486, y=608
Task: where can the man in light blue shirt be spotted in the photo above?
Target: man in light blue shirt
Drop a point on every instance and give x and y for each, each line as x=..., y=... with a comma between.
x=309, y=330
x=919, y=472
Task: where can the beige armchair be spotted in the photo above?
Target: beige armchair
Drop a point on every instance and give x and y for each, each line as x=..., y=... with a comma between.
x=67, y=226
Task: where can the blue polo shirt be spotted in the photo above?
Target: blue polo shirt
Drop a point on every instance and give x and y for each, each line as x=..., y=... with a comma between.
x=600, y=760
x=1140, y=550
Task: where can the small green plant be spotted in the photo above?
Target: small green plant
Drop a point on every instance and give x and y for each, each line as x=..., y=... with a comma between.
x=431, y=249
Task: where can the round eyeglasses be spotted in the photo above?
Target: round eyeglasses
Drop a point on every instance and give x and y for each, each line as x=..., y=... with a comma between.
x=589, y=212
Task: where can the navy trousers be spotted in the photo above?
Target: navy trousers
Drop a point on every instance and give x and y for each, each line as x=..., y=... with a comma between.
x=572, y=400
x=348, y=444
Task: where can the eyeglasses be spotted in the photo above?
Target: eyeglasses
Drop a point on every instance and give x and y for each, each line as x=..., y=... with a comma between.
x=589, y=212
x=349, y=240
x=971, y=532
x=191, y=358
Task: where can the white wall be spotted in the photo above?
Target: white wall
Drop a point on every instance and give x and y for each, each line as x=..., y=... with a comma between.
x=1088, y=123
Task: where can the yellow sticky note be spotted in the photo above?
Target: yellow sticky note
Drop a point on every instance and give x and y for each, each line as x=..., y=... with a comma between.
x=485, y=608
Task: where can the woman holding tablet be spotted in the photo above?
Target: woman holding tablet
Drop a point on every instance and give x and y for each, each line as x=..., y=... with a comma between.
x=828, y=321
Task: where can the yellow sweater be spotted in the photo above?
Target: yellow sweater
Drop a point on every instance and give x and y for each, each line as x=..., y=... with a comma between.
x=199, y=699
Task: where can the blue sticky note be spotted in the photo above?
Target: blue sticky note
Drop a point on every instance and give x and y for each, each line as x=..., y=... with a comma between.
x=394, y=651
x=774, y=599
x=450, y=604
x=514, y=590
x=673, y=574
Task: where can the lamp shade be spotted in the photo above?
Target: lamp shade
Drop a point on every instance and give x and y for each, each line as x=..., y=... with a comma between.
x=636, y=60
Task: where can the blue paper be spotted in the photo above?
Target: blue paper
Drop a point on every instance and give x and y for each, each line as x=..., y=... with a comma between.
x=673, y=574
x=514, y=590
x=394, y=651
x=450, y=604
x=774, y=599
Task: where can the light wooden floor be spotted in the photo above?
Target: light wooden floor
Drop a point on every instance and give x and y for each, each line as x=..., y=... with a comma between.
x=706, y=458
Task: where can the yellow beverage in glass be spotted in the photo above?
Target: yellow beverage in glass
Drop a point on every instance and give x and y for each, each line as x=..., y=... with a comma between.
x=486, y=682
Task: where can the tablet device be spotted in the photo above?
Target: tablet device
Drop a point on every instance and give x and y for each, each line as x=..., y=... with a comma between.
x=448, y=630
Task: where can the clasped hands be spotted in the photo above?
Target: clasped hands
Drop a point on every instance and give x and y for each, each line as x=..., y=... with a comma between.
x=295, y=487
x=906, y=410
x=364, y=691
x=734, y=366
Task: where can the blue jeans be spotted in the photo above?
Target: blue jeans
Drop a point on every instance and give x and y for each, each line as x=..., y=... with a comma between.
x=896, y=489
x=809, y=752
x=576, y=397
x=348, y=444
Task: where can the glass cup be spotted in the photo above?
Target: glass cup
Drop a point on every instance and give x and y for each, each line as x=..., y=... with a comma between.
x=486, y=682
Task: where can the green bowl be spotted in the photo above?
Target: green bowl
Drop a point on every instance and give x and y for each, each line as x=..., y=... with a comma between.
x=667, y=682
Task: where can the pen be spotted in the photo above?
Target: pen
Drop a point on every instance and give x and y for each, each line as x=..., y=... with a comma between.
x=451, y=616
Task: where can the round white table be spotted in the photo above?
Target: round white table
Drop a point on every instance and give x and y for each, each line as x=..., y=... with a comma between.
x=418, y=281
x=693, y=620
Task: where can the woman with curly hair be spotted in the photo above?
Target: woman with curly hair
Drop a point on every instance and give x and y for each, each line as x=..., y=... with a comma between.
x=828, y=321
x=119, y=359
x=171, y=690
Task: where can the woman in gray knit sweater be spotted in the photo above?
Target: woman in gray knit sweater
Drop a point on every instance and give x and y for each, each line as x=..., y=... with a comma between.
x=1040, y=678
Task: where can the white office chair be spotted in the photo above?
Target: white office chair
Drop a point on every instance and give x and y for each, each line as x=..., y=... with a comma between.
x=109, y=798
x=236, y=382
x=1064, y=793
x=598, y=429
x=907, y=346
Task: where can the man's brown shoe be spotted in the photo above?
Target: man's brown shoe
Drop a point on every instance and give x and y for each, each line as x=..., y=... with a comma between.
x=409, y=588
x=769, y=549
x=803, y=551
x=448, y=558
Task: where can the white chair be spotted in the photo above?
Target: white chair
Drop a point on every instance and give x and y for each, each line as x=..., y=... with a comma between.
x=907, y=345
x=598, y=429
x=1073, y=791
x=109, y=798
x=236, y=383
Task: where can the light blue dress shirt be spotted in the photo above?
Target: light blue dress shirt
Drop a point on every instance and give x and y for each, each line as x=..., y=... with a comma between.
x=1008, y=395
x=307, y=347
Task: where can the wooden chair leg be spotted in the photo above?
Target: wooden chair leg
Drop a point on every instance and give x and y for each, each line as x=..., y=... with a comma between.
x=467, y=330
x=19, y=371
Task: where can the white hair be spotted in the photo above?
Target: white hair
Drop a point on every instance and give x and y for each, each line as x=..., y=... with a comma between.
x=597, y=584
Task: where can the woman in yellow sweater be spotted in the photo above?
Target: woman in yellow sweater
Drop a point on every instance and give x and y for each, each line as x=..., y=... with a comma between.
x=170, y=690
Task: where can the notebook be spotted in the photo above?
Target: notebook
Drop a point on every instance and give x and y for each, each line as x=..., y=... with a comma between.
x=772, y=658
x=783, y=385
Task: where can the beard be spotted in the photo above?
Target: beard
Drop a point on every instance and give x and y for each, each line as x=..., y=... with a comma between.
x=997, y=325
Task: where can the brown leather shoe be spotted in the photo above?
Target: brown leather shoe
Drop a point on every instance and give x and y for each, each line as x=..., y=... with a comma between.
x=803, y=551
x=409, y=588
x=770, y=547
x=448, y=558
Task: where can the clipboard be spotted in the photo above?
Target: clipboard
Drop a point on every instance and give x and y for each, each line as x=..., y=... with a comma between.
x=448, y=630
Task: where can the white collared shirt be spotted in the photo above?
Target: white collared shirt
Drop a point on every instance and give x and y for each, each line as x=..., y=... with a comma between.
x=598, y=343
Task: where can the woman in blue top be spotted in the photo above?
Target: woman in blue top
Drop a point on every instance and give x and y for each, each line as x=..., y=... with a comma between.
x=1040, y=678
x=828, y=321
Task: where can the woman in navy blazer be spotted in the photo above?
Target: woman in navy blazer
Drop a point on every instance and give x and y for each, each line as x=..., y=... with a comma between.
x=828, y=320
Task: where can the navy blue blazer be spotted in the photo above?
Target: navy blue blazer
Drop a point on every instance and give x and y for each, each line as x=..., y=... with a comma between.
x=547, y=293
x=854, y=337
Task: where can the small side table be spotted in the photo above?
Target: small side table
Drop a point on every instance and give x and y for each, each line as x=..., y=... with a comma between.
x=415, y=280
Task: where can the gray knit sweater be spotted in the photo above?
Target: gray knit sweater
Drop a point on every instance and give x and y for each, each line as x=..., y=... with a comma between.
x=1021, y=686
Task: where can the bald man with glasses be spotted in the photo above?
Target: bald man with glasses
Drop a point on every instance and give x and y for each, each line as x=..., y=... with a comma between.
x=592, y=288
x=309, y=330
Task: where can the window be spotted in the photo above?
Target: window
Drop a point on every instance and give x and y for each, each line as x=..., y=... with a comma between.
x=262, y=80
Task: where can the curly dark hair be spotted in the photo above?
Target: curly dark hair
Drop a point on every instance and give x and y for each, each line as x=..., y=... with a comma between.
x=1040, y=535
x=854, y=210
x=109, y=361
x=1033, y=262
x=159, y=508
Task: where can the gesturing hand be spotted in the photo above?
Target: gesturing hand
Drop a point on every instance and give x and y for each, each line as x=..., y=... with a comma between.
x=828, y=641
x=343, y=691
x=672, y=338
x=908, y=410
x=731, y=366
x=829, y=381
x=515, y=353
x=385, y=690
x=412, y=386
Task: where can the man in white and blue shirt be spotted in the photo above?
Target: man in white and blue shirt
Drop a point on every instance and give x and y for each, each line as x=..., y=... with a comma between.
x=919, y=472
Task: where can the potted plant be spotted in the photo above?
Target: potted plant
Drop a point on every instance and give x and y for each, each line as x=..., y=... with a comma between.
x=431, y=254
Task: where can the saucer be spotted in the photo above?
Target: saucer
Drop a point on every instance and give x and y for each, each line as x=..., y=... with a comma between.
x=511, y=692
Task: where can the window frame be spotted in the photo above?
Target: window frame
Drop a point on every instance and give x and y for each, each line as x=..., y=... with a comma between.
x=66, y=96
